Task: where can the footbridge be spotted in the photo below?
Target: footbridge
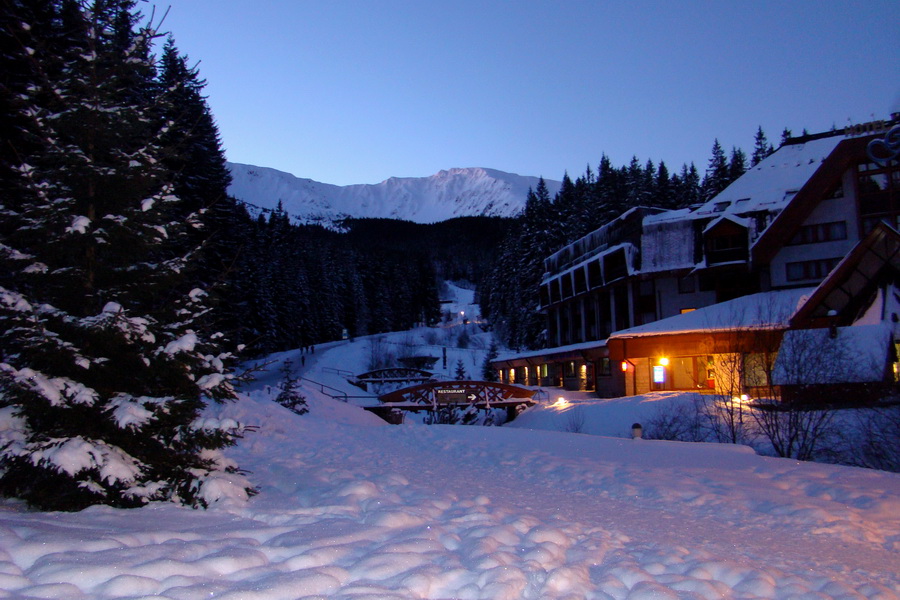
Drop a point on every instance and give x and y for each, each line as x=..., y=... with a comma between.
x=433, y=395
x=397, y=376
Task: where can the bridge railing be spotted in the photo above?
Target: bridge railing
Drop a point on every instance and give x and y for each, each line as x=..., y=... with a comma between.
x=481, y=391
x=333, y=392
x=340, y=372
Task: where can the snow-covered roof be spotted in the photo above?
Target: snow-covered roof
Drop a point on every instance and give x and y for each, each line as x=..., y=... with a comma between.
x=628, y=247
x=624, y=228
x=768, y=186
x=741, y=221
x=546, y=352
x=765, y=309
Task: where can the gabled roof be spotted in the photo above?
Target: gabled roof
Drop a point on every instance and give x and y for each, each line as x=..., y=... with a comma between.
x=768, y=186
x=829, y=174
x=838, y=298
x=739, y=221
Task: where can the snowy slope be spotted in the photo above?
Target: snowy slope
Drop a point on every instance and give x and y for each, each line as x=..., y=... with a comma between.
x=353, y=509
x=445, y=195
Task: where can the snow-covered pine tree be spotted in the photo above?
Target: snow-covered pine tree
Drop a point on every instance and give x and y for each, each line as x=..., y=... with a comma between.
x=104, y=369
x=289, y=397
x=194, y=152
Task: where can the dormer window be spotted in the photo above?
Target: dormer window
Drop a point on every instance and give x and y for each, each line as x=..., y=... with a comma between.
x=726, y=241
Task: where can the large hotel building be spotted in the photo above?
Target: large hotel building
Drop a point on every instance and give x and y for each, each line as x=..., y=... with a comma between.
x=657, y=299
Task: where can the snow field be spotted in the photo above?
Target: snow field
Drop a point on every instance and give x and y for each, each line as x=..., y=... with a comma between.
x=363, y=510
x=353, y=509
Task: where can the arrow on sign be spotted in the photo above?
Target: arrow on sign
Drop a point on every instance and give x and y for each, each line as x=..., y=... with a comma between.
x=472, y=397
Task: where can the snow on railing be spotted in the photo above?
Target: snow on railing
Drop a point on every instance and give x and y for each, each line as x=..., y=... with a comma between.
x=341, y=372
x=337, y=395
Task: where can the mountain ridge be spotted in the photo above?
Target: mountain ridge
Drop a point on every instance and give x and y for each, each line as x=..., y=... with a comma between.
x=449, y=193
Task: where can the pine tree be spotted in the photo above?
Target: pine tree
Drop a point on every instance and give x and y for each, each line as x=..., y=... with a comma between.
x=610, y=193
x=636, y=181
x=687, y=191
x=104, y=365
x=289, y=397
x=664, y=195
x=716, y=178
x=488, y=372
x=737, y=166
x=460, y=372
x=193, y=149
x=761, y=148
x=786, y=134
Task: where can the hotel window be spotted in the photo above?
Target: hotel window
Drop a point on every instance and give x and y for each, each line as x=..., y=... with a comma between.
x=810, y=269
x=614, y=265
x=687, y=285
x=820, y=232
x=726, y=248
x=545, y=294
x=580, y=281
x=605, y=368
x=877, y=186
x=567, y=286
x=555, y=295
x=595, y=279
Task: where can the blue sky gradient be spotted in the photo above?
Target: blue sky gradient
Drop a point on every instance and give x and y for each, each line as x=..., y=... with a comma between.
x=358, y=91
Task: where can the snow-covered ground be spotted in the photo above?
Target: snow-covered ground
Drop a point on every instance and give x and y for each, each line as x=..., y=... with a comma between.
x=352, y=508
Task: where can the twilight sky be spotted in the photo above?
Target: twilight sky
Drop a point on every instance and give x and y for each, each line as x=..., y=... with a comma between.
x=358, y=91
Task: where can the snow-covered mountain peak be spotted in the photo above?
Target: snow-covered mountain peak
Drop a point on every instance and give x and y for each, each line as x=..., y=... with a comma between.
x=450, y=193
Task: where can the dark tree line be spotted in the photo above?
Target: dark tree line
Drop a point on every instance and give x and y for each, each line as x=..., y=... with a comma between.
x=509, y=291
x=460, y=249
x=295, y=285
